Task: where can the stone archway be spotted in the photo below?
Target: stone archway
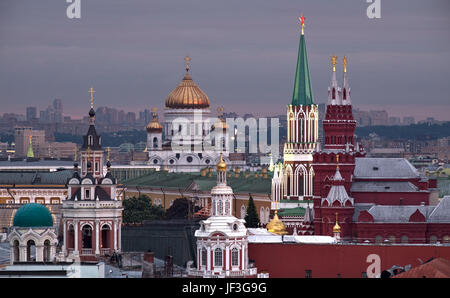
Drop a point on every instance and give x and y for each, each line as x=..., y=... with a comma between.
x=86, y=236
x=31, y=251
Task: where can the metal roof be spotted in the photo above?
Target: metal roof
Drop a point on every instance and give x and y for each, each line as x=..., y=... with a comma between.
x=384, y=168
x=378, y=186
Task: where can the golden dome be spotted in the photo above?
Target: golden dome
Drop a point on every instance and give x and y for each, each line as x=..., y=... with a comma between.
x=187, y=95
x=154, y=125
x=276, y=226
x=221, y=166
x=336, y=228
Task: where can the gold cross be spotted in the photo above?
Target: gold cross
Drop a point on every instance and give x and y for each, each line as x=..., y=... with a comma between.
x=187, y=59
x=92, y=97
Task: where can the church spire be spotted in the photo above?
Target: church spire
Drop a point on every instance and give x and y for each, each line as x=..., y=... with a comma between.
x=345, y=88
x=30, y=153
x=333, y=90
x=303, y=94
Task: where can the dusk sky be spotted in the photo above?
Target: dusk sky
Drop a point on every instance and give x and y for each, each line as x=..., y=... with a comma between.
x=243, y=53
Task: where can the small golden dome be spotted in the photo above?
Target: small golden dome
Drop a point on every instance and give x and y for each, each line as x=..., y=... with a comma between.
x=154, y=125
x=187, y=95
x=221, y=166
x=336, y=228
x=276, y=226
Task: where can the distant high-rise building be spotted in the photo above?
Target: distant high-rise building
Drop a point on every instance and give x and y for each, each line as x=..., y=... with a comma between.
x=394, y=121
x=408, y=120
x=22, y=140
x=58, y=110
x=31, y=113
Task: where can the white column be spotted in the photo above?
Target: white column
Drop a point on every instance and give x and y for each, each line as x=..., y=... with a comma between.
x=65, y=236
x=208, y=262
x=243, y=257
x=97, y=238
x=23, y=253
x=115, y=234
x=119, y=239
x=76, y=231
x=227, y=258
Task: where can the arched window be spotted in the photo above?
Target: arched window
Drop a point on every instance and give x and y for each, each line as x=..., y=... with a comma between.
x=214, y=208
x=378, y=239
x=31, y=251
x=86, y=236
x=204, y=256
x=220, y=207
x=90, y=140
x=344, y=94
x=235, y=257
x=243, y=211
x=433, y=239
x=262, y=215
x=46, y=251
x=106, y=236
x=391, y=239
x=404, y=239
x=218, y=257
x=333, y=94
x=227, y=207
x=16, y=251
x=446, y=239
x=155, y=142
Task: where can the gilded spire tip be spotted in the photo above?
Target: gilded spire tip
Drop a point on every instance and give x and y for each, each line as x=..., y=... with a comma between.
x=333, y=62
x=302, y=22
x=92, y=91
x=345, y=63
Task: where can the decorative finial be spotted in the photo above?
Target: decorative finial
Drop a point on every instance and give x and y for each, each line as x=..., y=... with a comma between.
x=187, y=59
x=345, y=63
x=220, y=111
x=333, y=62
x=109, y=153
x=302, y=21
x=92, y=91
x=336, y=228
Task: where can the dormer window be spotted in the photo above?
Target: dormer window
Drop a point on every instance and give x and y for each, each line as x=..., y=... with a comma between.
x=90, y=140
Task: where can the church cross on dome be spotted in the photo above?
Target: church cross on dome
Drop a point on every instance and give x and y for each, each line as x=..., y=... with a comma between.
x=92, y=91
x=187, y=60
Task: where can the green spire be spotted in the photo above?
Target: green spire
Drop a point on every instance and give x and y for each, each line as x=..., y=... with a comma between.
x=30, y=153
x=302, y=84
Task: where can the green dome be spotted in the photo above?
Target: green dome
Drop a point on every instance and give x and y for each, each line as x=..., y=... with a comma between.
x=33, y=215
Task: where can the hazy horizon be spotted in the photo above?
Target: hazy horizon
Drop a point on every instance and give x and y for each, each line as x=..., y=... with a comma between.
x=243, y=54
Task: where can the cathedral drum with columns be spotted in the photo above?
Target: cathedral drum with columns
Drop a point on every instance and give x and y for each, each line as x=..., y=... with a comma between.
x=222, y=244
x=192, y=139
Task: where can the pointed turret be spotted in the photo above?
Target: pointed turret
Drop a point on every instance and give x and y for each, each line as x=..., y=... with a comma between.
x=345, y=87
x=333, y=90
x=303, y=94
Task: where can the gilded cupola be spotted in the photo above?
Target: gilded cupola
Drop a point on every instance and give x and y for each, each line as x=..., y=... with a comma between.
x=187, y=95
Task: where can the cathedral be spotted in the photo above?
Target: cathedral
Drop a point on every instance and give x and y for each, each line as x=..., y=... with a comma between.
x=189, y=139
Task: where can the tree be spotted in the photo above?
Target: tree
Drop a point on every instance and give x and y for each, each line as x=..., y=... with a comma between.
x=179, y=209
x=138, y=209
x=251, y=218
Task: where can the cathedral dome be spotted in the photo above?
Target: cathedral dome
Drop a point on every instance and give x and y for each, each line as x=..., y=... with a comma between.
x=154, y=126
x=33, y=215
x=187, y=95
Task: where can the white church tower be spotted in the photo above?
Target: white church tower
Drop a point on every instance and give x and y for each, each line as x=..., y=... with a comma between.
x=222, y=245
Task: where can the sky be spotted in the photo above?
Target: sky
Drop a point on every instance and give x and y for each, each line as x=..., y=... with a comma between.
x=243, y=53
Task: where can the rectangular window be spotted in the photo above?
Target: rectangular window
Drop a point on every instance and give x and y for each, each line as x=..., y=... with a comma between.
x=87, y=195
x=204, y=257
x=218, y=257
x=234, y=257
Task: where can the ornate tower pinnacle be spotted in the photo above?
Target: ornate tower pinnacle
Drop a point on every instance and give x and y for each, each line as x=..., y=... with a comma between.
x=302, y=22
x=187, y=59
x=345, y=63
x=333, y=62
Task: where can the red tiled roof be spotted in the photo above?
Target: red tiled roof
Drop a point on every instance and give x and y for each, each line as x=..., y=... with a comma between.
x=437, y=268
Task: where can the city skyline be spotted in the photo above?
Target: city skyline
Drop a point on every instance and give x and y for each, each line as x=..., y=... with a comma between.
x=133, y=56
